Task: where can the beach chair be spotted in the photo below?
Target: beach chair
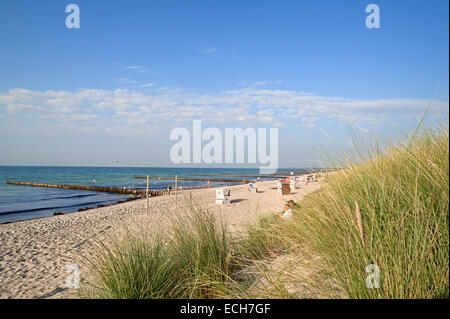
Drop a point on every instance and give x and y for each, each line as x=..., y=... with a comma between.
x=297, y=182
x=303, y=181
x=279, y=186
x=292, y=184
x=252, y=188
x=286, y=189
x=223, y=196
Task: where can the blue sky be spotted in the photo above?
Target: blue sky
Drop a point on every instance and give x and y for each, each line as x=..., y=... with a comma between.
x=114, y=88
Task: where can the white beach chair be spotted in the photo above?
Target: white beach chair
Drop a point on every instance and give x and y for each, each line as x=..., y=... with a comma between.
x=252, y=187
x=279, y=186
x=292, y=184
x=303, y=181
x=223, y=196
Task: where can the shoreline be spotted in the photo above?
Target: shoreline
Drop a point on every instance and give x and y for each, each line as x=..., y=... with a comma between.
x=56, y=213
x=127, y=199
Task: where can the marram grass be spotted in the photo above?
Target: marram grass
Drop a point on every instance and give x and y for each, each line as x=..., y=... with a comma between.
x=388, y=210
x=187, y=260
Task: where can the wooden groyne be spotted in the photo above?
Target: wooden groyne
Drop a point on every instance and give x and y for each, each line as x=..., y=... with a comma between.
x=118, y=190
x=248, y=176
x=196, y=179
x=278, y=175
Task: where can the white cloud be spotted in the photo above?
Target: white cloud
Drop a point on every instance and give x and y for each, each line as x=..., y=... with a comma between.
x=309, y=121
x=147, y=85
x=126, y=111
x=209, y=50
x=261, y=83
x=133, y=67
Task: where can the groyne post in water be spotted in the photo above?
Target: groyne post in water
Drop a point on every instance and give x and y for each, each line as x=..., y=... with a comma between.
x=118, y=190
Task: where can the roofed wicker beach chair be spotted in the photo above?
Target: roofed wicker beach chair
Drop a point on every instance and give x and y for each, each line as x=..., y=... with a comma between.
x=252, y=187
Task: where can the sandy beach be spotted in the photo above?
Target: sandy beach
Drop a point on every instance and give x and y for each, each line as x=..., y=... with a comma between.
x=34, y=254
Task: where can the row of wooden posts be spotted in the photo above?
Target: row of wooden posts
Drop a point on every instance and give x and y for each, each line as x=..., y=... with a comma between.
x=196, y=179
x=128, y=191
x=118, y=190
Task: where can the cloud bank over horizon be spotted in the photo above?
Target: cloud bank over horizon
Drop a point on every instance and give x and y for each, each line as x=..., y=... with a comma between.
x=125, y=111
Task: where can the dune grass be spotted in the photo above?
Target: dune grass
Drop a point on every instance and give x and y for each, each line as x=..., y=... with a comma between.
x=263, y=239
x=378, y=228
x=386, y=212
x=184, y=261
